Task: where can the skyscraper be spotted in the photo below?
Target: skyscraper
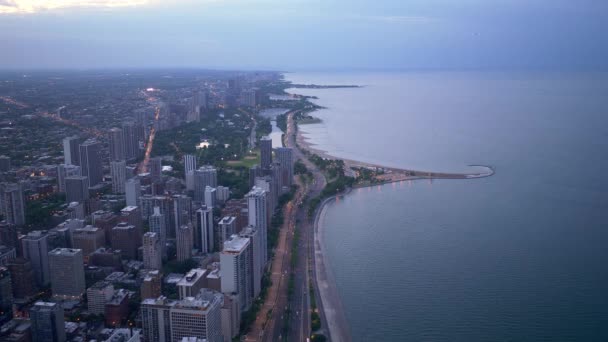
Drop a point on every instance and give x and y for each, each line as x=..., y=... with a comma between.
x=98, y=295
x=203, y=177
x=285, y=159
x=22, y=278
x=67, y=272
x=76, y=189
x=155, y=319
x=118, y=171
x=210, y=197
x=47, y=322
x=12, y=204
x=236, y=269
x=117, y=144
x=133, y=191
x=126, y=239
x=204, y=229
x=88, y=239
x=64, y=171
x=131, y=139
x=182, y=210
x=189, y=163
x=265, y=152
x=155, y=168
x=6, y=295
x=152, y=251
x=198, y=316
x=255, y=242
x=90, y=161
x=35, y=249
x=227, y=228
x=258, y=217
x=184, y=242
x=71, y=154
x=158, y=225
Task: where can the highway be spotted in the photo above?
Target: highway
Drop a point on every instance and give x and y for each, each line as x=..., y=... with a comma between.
x=291, y=316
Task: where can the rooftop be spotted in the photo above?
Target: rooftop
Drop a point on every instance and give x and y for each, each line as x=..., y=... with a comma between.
x=236, y=244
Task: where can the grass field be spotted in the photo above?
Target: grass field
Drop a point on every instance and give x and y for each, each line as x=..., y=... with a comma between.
x=247, y=161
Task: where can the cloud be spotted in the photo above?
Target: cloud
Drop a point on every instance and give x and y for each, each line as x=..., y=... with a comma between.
x=33, y=6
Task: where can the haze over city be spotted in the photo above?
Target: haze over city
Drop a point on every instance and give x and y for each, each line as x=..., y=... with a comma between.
x=300, y=34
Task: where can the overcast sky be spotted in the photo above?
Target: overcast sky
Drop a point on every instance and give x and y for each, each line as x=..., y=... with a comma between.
x=304, y=34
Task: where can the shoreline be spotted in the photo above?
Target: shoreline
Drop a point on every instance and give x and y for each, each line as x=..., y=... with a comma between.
x=392, y=174
x=329, y=302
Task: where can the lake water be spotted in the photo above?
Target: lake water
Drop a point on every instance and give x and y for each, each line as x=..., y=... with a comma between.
x=519, y=256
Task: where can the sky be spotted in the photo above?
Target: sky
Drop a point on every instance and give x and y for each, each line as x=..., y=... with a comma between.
x=304, y=34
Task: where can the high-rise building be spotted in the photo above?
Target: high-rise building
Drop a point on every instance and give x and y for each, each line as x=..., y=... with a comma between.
x=88, y=240
x=67, y=272
x=133, y=191
x=47, y=322
x=152, y=251
x=90, y=161
x=71, y=154
x=117, y=144
x=222, y=194
x=191, y=283
x=6, y=295
x=12, y=204
x=7, y=254
x=203, y=177
x=255, y=256
x=227, y=227
x=184, y=242
x=189, y=163
x=236, y=269
x=22, y=278
x=132, y=216
x=9, y=236
x=76, y=189
x=132, y=135
x=35, y=249
x=285, y=159
x=210, y=197
x=118, y=170
x=182, y=210
x=203, y=229
x=151, y=285
x=258, y=217
x=98, y=295
x=64, y=171
x=126, y=239
x=157, y=224
x=155, y=319
x=265, y=152
x=155, y=168
x=198, y=317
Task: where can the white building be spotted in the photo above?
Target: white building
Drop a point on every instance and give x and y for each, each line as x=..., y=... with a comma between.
x=198, y=316
x=258, y=217
x=236, y=269
x=192, y=283
x=227, y=227
x=210, y=197
x=204, y=229
x=133, y=191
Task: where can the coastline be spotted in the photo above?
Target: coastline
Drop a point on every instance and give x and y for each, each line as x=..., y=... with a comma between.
x=329, y=301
